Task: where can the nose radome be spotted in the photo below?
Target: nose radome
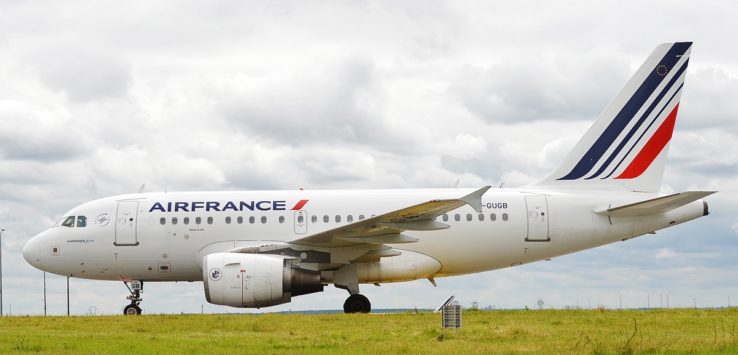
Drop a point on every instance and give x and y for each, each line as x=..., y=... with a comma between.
x=32, y=251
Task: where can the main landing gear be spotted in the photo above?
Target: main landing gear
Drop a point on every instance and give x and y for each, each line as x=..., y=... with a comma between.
x=346, y=278
x=357, y=303
x=135, y=297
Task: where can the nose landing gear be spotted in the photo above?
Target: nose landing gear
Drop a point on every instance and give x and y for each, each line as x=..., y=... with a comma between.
x=135, y=297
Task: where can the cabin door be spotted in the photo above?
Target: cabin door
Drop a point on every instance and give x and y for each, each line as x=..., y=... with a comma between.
x=125, y=223
x=537, y=208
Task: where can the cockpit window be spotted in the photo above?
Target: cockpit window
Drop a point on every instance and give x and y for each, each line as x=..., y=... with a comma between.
x=69, y=222
x=81, y=221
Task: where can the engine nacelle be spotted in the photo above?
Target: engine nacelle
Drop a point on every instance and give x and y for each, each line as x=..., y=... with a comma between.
x=255, y=280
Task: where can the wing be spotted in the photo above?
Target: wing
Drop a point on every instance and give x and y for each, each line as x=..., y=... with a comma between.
x=387, y=228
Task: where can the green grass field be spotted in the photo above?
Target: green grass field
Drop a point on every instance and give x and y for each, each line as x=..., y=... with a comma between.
x=546, y=331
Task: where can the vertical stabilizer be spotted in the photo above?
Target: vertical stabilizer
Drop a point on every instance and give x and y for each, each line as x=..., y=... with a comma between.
x=628, y=144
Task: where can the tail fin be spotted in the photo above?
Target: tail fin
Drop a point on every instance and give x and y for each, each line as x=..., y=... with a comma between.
x=628, y=144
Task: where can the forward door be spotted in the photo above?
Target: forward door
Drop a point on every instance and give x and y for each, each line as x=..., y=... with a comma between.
x=125, y=223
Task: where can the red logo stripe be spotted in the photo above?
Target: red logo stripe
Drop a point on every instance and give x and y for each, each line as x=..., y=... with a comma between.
x=652, y=149
x=299, y=205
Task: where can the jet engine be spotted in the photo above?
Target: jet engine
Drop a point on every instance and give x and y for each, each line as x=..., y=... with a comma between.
x=255, y=280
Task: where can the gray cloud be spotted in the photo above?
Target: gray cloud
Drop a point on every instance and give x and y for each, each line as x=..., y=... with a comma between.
x=709, y=100
x=309, y=105
x=83, y=75
x=541, y=87
x=28, y=132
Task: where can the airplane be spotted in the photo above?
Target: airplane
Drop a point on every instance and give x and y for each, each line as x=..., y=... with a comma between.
x=257, y=249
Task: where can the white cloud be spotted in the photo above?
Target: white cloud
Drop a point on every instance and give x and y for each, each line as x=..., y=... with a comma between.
x=665, y=253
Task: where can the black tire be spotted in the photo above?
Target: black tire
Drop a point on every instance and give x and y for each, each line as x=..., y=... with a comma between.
x=132, y=310
x=357, y=304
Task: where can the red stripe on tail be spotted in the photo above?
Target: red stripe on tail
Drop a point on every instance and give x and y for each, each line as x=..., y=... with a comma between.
x=652, y=149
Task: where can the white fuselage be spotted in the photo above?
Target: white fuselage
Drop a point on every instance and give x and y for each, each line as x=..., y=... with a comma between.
x=134, y=237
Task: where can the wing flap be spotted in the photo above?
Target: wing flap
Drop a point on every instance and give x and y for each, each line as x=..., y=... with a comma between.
x=383, y=239
x=656, y=205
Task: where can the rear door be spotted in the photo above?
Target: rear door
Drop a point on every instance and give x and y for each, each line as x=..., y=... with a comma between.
x=537, y=208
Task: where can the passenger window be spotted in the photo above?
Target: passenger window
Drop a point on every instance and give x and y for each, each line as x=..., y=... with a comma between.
x=493, y=217
x=174, y=220
x=326, y=218
x=469, y=217
x=263, y=219
x=252, y=219
x=314, y=218
x=162, y=220
x=186, y=220
x=239, y=219
x=198, y=220
x=338, y=218
x=228, y=220
x=210, y=220
x=281, y=219
x=361, y=217
x=504, y=216
x=69, y=222
x=457, y=217
x=445, y=217
x=349, y=218
x=81, y=221
x=481, y=217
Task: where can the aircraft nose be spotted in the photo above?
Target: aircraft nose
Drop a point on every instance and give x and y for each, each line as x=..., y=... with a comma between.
x=32, y=250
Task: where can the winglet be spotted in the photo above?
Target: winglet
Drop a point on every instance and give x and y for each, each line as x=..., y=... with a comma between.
x=474, y=199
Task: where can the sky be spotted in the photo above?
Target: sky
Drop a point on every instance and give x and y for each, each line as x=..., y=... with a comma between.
x=100, y=97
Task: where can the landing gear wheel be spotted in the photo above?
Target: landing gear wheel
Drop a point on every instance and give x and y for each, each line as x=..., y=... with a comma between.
x=135, y=297
x=357, y=303
x=132, y=310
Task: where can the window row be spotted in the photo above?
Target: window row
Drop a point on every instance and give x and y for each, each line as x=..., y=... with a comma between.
x=262, y=219
x=480, y=217
x=301, y=219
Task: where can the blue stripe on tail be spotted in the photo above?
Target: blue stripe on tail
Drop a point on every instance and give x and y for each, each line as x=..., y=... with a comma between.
x=638, y=124
x=603, y=143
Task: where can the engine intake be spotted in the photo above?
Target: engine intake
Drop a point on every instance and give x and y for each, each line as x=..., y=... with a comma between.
x=255, y=280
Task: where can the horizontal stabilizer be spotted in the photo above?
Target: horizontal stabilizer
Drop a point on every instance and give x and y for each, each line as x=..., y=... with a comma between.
x=656, y=205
